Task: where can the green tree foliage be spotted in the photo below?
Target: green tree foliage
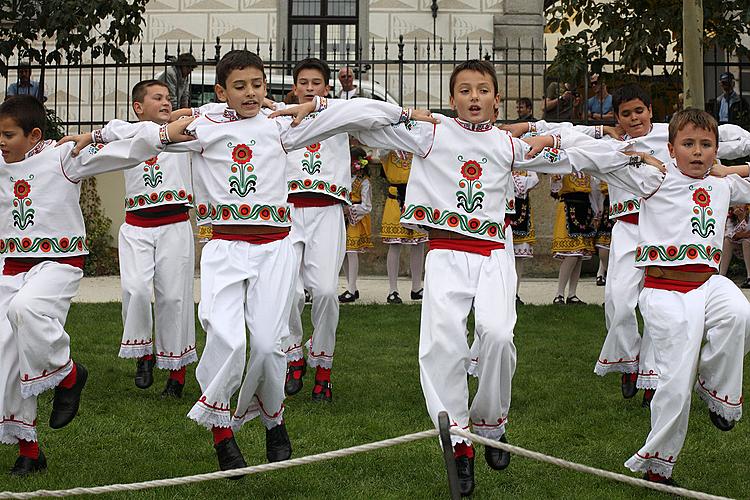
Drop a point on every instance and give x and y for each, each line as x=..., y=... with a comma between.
x=643, y=32
x=71, y=27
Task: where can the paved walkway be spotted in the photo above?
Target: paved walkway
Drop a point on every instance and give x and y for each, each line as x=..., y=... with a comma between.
x=372, y=290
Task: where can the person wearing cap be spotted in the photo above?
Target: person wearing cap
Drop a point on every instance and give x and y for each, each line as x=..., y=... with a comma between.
x=730, y=107
x=177, y=80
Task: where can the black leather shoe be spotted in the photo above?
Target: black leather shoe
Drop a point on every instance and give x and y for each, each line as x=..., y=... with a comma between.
x=394, y=298
x=144, y=373
x=173, y=389
x=648, y=395
x=559, y=300
x=356, y=294
x=25, y=465
x=575, y=301
x=324, y=394
x=66, y=401
x=496, y=458
x=347, y=297
x=278, y=446
x=294, y=374
x=601, y=281
x=720, y=422
x=465, y=470
x=627, y=384
x=655, y=478
x=230, y=456
x=418, y=294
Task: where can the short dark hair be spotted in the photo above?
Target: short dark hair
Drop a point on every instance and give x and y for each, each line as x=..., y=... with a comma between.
x=525, y=101
x=26, y=111
x=186, y=59
x=237, y=59
x=313, y=63
x=627, y=93
x=139, y=89
x=697, y=117
x=484, y=67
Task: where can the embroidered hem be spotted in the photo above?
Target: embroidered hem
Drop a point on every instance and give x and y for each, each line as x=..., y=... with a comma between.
x=176, y=362
x=603, y=368
x=256, y=410
x=294, y=353
x=405, y=241
x=41, y=384
x=731, y=412
x=494, y=432
x=210, y=417
x=473, y=368
x=319, y=360
x=647, y=380
x=135, y=351
x=12, y=431
x=655, y=465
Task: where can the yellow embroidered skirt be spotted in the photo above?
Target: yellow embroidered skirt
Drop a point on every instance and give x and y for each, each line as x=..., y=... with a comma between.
x=391, y=230
x=573, y=233
x=359, y=235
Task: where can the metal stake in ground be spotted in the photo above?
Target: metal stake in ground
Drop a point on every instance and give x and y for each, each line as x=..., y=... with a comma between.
x=450, y=462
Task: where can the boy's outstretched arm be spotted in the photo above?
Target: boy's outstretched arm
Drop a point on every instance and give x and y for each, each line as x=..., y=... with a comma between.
x=734, y=142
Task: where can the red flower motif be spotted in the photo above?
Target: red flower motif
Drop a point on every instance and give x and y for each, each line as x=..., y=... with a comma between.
x=313, y=148
x=21, y=189
x=151, y=161
x=701, y=198
x=471, y=170
x=242, y=154
x=419, y=214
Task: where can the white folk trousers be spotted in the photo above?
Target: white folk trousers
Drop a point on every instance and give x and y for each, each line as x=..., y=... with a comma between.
x=34, y=347
x=243, y=285
x=699, y=340
x=158, y=261
x=621, y=351
x=453, y=281
x=318, y=235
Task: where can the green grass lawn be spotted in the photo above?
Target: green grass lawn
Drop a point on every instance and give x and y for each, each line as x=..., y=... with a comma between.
x=123, y=434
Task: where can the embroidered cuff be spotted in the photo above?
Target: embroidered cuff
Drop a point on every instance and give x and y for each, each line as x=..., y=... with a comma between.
x=635, y=161
x=164, y=135
x=321, y=103
x=195, y=112
x=97, y=137
x=405, y=115
x=598, y=131
x=532, y=127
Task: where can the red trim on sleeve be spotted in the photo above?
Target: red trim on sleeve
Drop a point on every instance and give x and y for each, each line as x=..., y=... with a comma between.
x=434, y=130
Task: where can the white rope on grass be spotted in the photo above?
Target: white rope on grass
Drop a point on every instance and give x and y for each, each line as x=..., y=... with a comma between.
x=634, y=481
x=254, y=469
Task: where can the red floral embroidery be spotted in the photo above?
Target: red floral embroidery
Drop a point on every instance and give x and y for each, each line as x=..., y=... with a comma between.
x=242, y=154
x=151, y=161
x=471, y=170
x=21, y=189
x=701, y=198
x=313, y=148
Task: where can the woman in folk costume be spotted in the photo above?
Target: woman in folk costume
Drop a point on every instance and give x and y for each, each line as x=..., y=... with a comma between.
x=396, y=167
x=603, y=236
x=358, y=227
x=737, y=238
x=522, y=223
x=573, y=232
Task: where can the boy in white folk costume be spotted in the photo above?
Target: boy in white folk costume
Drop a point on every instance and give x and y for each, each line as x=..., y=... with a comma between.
x=157, y=255
x=43, y=240
x=467, y=262
x=248, y=268
x=319, y=183
x=696, y=322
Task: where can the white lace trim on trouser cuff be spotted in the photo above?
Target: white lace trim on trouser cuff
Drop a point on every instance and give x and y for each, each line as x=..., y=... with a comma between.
x=494, y=432
x=319, y=361
x=473, y=369
x=209, y=417
x=655, y=465
x=650, y=381
x=255, y=410
x=135, y=351
x=176, y=362
x=602, y=369
x=729, y=411
x=39, y=385
x=294, y=353
x=11, y=432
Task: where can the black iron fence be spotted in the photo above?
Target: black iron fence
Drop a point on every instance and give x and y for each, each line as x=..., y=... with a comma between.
x=408, y=72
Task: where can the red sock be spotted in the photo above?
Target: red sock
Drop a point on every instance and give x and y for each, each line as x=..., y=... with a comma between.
x=657, y=478
x=70, y=380
x=178, y=375
x=463, y=450
x=322, y=374
x=633, y=377
x=28, y=449
x=147, y=357
x=221, y=433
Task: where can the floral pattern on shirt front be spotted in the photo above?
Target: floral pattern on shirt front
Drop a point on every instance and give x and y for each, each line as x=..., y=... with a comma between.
x=704, y=225
x=23, y=214
x=470, y=196
x=241, y=180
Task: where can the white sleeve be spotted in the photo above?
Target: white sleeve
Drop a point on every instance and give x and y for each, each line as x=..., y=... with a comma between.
x=596, y=197
x=605, y=160
x=363, y=208
x=545, y=127
x=341, y=117
x=734, y=142
x=532, y=179
x=116, y=130
x=739, y=189
x=548, y=161
x=412, y=137
x=117, y=155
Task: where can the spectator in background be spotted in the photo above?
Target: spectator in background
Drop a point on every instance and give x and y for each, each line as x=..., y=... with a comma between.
x=561, y=102
x=525, y=110
x=730, y=107
x=177, y=80
x=736, y=237
x=348, y=89
x=25, y=85
x=599, y=106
